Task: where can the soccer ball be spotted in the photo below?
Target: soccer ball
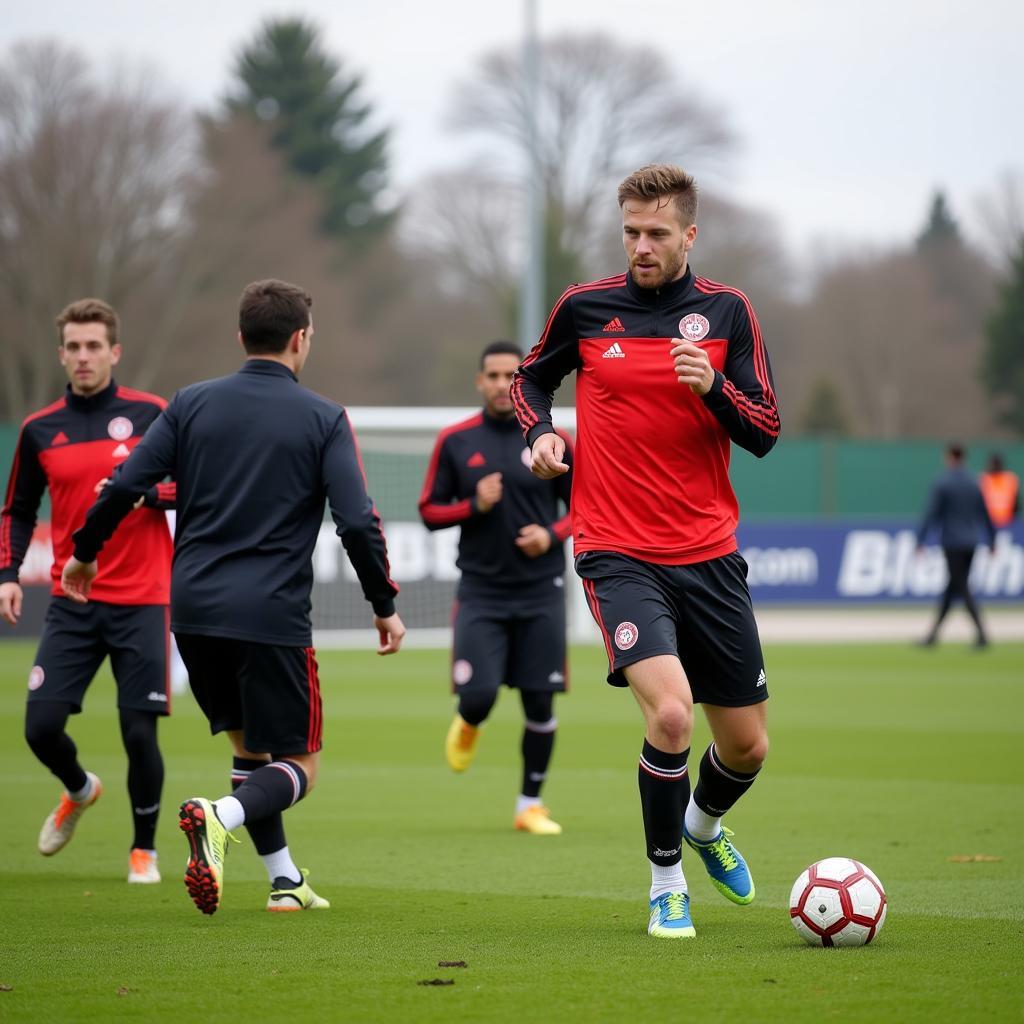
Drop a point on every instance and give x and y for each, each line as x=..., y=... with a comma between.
x=837, y=902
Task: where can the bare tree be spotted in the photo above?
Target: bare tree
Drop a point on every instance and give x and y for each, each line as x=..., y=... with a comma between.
x=903, y=354
x=1002, y=216
x=605, y=108
x=94, y=179
x=471, y=225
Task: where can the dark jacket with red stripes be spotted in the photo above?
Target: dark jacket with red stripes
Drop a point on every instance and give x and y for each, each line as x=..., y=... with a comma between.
x=69, y=447
x=488, y=557
x=652, y=458
x=255, y=456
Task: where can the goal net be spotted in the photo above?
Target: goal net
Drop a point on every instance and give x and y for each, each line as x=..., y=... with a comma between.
x=396, y=444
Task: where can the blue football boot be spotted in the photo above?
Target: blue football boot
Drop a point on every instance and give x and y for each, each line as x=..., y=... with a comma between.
x=725, y=866
x=670, y=917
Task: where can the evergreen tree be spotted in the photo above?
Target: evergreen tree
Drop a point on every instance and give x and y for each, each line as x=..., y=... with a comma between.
x=959, y=275
x=940, y=230
x=319, y=120
x=1003, y=368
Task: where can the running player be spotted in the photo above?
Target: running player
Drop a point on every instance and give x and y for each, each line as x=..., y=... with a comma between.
x=509, y=621
x=71, y=448
x=671, y=369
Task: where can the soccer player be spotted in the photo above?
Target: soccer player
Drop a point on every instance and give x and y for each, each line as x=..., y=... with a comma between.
x=671, y=368
x=72, y=447
x=255, y=456
x=956, y=508
x=509, y=621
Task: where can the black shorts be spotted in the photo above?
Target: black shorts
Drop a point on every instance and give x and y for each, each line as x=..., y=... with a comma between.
x=270, y=693
x=701, y=613
x=515, y=640
x=77, y=637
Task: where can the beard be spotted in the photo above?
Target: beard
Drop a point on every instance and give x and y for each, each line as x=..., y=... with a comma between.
x=668, y=271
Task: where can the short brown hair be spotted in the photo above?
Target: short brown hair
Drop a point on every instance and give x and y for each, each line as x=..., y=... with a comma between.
x=269, y=313
x=662, y=181
x=90, y=311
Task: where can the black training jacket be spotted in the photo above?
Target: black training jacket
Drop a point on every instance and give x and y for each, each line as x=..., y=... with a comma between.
x=255, y=456
x=488, y=557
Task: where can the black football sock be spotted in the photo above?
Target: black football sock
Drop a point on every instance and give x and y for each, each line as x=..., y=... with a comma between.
x=664, y=793
x=538, y=740
x=267, y=834
x=45, y=735
x=145, y=773
x=271, y=789
x=719, y=786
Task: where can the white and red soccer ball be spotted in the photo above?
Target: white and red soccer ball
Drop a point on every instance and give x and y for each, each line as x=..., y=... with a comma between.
x=837, y=902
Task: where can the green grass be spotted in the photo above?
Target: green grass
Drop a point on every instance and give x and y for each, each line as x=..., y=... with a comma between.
x=900, y=758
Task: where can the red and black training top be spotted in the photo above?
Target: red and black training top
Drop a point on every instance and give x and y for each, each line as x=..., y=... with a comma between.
x=69, y=447
x=488, y=557
x=652, y=458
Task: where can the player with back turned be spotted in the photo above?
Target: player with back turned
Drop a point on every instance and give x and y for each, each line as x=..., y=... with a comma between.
x=671, y=370
x=509, y=620
x=255, y=456
x=70, y=448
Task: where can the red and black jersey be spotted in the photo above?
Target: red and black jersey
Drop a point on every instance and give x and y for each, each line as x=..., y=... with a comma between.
x=652, y=458
x=488, y=557
x=69, y=447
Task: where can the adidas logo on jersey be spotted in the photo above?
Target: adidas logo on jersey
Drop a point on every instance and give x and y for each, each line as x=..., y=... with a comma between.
x=614, y=352
x=59, y=438
x=615, y=324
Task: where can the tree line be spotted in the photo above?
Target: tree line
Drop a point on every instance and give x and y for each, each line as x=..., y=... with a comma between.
x=109, y=187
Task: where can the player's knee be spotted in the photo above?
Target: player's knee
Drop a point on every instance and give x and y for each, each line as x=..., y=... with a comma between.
x=538, y=707
x=138, y=732
x=44, y=724
x=39, y=734
x=672, y=721
x=474, y=707
x=748, y=754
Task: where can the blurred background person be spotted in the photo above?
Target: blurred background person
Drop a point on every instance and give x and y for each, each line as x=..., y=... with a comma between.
x=956, y=509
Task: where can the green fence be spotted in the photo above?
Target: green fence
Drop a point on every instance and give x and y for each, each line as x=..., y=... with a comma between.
x=827, y=479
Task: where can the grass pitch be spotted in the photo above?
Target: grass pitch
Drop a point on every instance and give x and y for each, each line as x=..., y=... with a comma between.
x=903, y=759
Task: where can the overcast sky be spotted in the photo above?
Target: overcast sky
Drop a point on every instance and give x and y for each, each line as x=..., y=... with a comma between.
x=848, y=115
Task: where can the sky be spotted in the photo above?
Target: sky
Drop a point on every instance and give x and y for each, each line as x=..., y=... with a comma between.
x=848, y=116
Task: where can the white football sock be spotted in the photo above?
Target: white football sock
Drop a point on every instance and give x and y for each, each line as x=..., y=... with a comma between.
x=522, y=802
x=667, y=879
x=700, y=825
x=230, y=812
x=281, y=865
x=83, y=794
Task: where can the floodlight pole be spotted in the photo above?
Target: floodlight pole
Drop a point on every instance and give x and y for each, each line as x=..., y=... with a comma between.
x=531, y=292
